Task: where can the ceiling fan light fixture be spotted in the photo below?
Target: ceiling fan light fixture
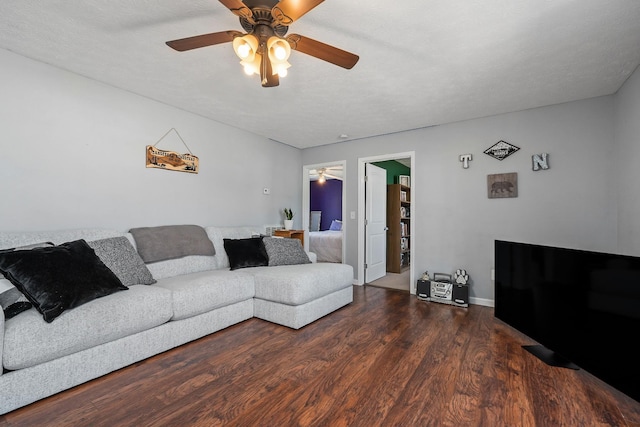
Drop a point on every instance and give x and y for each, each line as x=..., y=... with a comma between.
x=246, y=47
x=281, y=68
x=263, y=48
x=279, y=51
x=252, y=67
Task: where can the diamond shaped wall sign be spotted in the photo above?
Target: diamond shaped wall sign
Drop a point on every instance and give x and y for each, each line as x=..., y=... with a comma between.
x=501, y=150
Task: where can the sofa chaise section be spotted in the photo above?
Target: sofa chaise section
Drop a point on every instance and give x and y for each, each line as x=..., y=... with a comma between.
x=290, y=295
x=296, y=295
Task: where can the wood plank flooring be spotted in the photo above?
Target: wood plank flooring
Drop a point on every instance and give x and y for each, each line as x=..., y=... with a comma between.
x=387, y=359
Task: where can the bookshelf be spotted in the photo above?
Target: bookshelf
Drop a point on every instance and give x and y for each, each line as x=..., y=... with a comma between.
x=399, y=224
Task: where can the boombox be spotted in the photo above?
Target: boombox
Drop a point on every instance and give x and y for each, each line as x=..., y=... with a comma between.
x=442, y=290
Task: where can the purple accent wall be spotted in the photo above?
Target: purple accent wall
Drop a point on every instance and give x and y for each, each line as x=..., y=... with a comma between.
x=327, y=198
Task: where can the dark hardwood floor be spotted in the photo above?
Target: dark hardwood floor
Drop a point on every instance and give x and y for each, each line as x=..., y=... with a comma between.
x=386, y=359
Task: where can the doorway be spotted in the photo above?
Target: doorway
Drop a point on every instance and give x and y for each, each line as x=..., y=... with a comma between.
x=323, y=210
x=406, y=278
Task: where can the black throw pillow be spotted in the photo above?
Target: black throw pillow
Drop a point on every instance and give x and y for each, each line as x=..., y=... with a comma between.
x=245, y=253
x=59, y=278
x=16, y=308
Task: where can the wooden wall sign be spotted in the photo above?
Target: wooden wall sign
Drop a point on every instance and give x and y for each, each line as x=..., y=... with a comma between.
x=502, y=185
x=170, y=160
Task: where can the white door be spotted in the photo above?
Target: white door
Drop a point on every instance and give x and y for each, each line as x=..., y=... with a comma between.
x=375, y=223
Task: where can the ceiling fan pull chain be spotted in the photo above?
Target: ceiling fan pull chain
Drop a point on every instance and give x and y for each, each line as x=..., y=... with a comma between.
x=169, y=131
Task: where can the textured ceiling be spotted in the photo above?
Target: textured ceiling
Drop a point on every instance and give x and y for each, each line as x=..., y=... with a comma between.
x=422, y=62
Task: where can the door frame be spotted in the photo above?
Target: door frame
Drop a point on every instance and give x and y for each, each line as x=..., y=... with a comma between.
x=306, y=200
x=362, y=207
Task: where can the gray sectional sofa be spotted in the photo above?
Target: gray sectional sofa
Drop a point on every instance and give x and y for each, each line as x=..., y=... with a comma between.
x=191, y=296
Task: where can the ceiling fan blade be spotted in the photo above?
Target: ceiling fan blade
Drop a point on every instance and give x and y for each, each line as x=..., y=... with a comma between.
x=333, y=176
x=267, y=78
x=203, y=40
x=239, y=9
x=323, y=51
x=287, y=11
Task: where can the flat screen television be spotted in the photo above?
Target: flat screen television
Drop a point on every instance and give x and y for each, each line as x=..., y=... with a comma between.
x=581, y=307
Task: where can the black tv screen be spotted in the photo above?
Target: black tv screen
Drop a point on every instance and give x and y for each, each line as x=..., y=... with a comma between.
x=582, y=305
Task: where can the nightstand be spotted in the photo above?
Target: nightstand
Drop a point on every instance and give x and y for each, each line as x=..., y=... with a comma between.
x=292, y=234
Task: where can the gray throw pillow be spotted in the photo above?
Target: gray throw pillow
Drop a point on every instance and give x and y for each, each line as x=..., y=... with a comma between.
x=121, y=257
x=283, y=251
x=171, y=242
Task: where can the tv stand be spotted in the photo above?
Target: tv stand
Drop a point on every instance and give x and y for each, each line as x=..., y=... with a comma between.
x=550, y=357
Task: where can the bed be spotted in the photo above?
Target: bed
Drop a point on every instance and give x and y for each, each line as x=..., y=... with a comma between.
x=327, y=245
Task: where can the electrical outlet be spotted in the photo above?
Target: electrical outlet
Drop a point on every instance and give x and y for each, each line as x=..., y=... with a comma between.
x=265, y=190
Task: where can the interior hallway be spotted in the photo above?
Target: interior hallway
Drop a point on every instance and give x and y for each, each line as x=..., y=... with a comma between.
x=398, y=281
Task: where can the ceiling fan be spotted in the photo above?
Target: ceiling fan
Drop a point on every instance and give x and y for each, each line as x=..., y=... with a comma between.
x=264, y=49
x=322, y=174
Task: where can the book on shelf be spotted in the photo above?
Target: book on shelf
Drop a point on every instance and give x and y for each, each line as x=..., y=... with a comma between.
x=404, y=243
x=404, y=229
x=404, y=259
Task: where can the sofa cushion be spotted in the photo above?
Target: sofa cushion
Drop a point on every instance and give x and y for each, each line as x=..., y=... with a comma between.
x=176, y=267
x=299, y=284
x=197, y=293
x=121, y=257
x=13, y=239
x=29, y=341
x=244, y=253
x=171, y=241
x=284, y=251
x=59, y=278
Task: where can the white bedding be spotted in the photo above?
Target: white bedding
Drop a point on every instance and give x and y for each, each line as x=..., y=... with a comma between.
x=327, y=245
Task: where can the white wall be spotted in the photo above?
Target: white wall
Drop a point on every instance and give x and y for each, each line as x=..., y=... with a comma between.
x=73, y=155
x=454, y=224
x=627, y=136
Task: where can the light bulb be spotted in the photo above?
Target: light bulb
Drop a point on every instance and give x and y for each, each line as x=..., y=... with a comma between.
x=279, y=49
x=243, y=50
x=280, y=53
x=245, y=47
x=280, y=68
x=253, y=66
